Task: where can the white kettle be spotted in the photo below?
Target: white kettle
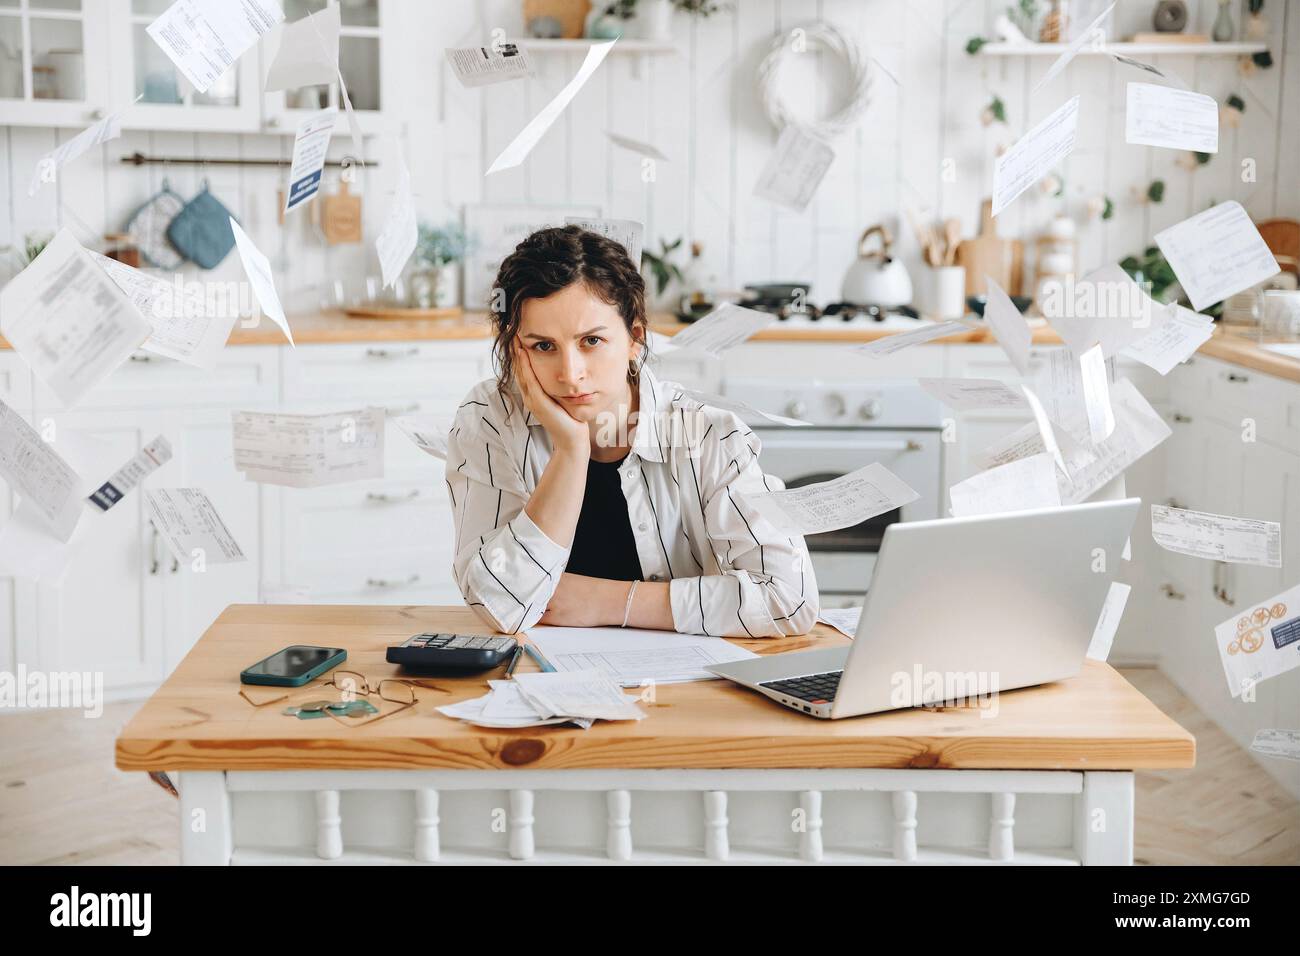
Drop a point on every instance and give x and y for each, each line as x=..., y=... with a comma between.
x=876, y=277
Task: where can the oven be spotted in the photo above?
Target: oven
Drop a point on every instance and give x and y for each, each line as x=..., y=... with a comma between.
x=854, y=424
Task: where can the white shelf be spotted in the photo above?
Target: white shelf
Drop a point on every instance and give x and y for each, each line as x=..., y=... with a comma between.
x=1128, y=49
x=534, y=44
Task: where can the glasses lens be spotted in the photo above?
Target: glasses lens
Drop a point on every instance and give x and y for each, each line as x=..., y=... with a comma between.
x=397, y=691
x=351, y=685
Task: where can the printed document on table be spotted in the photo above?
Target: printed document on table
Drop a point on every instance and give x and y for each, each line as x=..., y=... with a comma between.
x=527, y=138
x=400, y=233
x=795, y=169
x=843, y=619
x=482, y=65
x=310, y=146
x=308, y=54
x=1260, y=641
x=188, y=522
x=1277, y=743
x=1174, y=341
x=590, y=693
x=1217, y=253
x=1217, y=537
x=68, y=320
x=627, y=233
x=725, y=327
x=182, y=328
x=204, y=38
x=258, y=269
x=1018, y=485
x=305, y=451
x=1175, y=119
x=1112, y=612
x=632, y=656
x=39, y=474
x=898, y=341
x=830, y=505
x=1034, y=155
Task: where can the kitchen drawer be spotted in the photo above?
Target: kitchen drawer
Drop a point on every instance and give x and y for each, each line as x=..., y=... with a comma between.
x=388, y=372
x=366, y=517
x=830, y=361
x=244, y=375
x=391, y=576
x=15, y=381
x=1231, y=393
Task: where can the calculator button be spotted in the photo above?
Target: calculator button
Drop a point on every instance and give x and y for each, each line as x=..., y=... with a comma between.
x=460, y=640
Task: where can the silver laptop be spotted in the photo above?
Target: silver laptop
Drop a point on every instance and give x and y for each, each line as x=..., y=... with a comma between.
x=961, y=608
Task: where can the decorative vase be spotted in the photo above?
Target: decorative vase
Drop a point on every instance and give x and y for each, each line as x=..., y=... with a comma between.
x=1055, y=24
x=423, y=288
x=653, y=20
x=1223, y=30
x=446, y=294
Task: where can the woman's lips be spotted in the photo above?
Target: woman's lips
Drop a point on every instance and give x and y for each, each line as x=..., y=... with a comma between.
x=582, y=399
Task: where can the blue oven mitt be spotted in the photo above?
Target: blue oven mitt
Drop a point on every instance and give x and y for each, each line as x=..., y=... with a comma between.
x=201, y=231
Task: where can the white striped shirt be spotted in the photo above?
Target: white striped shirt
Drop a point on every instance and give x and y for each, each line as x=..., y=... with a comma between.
x=730, y=572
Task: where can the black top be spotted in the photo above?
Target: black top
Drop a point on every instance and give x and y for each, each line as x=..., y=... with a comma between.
x=603, y=546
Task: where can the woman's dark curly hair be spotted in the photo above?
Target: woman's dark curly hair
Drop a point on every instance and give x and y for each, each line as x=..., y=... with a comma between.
x=553, y=259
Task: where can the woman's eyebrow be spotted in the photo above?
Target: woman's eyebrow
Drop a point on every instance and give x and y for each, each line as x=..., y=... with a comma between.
x=544, y=338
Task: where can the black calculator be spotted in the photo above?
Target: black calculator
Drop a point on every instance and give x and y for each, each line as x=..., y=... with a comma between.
x=452, y=652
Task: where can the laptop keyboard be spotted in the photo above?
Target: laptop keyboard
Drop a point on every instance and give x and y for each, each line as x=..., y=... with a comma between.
x=815, y=688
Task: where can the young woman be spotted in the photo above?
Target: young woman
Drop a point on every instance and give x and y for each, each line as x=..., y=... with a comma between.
x=588, y=493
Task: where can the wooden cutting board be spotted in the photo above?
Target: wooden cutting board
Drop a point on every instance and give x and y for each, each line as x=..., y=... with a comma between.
x=986, y=254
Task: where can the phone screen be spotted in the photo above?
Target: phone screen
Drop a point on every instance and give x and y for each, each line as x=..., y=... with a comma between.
x=293, y=661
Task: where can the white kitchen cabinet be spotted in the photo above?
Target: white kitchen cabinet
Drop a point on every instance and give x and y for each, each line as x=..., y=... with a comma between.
x=54, y=62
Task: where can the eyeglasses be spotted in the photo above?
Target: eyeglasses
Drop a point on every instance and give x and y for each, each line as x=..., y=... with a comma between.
x=352, y=684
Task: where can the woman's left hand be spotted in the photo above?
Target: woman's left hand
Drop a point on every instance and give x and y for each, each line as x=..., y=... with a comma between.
x=581, y=601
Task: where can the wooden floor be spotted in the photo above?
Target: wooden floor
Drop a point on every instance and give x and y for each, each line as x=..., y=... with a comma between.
x=62, y=800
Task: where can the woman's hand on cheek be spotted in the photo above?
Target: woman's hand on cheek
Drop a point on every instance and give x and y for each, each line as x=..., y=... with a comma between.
x=565, y=430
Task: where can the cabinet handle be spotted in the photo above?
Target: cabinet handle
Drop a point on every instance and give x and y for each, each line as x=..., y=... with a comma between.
x=1221, y=592
x=1234, y=377
x=387, y=499
x=392, y=353
x=391, y=410
x=137, y=357
x=175, y=564
x=271, y=122
x=1172, y=593
x=1181, y=419
x=385, y=583
x=153, y=551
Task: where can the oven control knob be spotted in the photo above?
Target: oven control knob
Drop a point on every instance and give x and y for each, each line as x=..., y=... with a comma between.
x=870, y=409
x=796, y=409
x=835, y=402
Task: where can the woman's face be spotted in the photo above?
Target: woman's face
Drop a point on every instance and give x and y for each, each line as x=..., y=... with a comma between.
x=580, y=349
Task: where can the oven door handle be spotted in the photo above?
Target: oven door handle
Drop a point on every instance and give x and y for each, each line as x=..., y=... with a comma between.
x=901, y=444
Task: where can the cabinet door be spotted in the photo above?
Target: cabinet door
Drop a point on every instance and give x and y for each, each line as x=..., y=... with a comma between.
x=106, y=613
x=54, y=62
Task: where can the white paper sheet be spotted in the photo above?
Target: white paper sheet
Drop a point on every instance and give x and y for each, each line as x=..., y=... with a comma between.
x=1096, y=394
x=1112, y=612
x=1277, y=743
x=258, y=269
x=204, y=38
x=795, y=169
x=1217, y=537
x=478, y=66
x=68, y=320
x=1058, y=382
x=1034, y=154
x=1008, y=326
x=306, y=451
x=725, y=327
x=1174, y=341
x=1174, y=119
x=51, y=164
x=965, y=394
x=311, y=144
x=628, y=233
x=580, y=693
x=843, y=619
x=427, y=433
x=635, y=145
x=1105, y=306
x=898, y=341
x=188, y=522
x=633, y=656
x=30, y=551
x=522, y=144
x=142, y=464
x=182, y=328
x=830, y=505
x=1019, y=485
x=401, y=233
x=509, y=708
x=39, y=474
x=1092, y=33
x=308, y=54
x=747, y=412
x=1260, y=641
x=1217, y=253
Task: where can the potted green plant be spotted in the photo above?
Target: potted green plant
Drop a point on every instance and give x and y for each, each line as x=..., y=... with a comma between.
x=435, y=275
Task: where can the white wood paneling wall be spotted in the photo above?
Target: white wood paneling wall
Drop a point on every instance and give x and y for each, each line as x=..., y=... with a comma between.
x=700, y=107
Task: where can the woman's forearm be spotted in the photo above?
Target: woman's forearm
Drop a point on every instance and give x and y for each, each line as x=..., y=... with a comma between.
x=556, y=502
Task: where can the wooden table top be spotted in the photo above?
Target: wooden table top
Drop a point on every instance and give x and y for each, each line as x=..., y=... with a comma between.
x=197, y=721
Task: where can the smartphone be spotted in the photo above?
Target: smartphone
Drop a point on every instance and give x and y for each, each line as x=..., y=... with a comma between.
x=293, y=666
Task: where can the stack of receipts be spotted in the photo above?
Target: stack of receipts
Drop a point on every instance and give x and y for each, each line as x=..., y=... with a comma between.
x=533, y=700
